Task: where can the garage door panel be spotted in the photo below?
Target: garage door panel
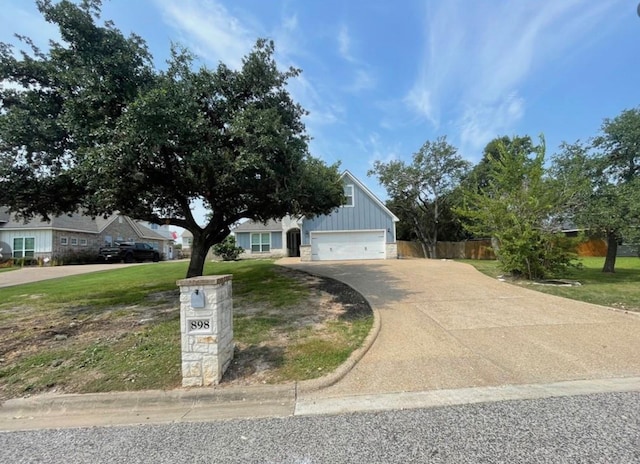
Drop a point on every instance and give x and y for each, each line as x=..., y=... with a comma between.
x=348, y=245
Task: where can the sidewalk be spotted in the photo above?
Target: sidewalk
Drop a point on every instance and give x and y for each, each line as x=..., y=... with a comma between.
x=443, y=334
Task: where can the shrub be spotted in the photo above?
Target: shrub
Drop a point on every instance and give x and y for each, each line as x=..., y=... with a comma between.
x=227, y=249
x=534, y=254
x=74, y=257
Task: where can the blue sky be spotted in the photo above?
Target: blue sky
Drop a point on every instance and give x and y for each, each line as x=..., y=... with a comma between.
x=380, y=78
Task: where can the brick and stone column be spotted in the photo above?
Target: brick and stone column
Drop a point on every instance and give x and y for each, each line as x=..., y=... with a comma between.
x=206, y=326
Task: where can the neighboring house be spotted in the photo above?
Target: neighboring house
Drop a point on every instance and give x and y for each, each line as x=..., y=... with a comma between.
x=167, y=233
x=67, y=234
x=187, y=241
x=363, y=228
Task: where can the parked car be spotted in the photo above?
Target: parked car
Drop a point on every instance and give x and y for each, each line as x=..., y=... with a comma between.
x=129, y=252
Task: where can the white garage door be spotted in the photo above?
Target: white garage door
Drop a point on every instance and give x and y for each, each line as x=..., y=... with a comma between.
x=328, y=246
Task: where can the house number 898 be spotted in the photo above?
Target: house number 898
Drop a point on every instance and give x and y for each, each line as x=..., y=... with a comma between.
x=199, y=325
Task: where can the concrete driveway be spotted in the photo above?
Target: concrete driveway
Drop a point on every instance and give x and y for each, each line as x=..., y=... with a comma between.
x=27, y=275
x=445, y=325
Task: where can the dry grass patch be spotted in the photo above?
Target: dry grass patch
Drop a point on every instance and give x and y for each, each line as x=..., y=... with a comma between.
x=119, y=330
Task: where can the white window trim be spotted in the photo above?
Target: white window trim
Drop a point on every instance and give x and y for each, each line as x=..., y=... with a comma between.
x=84, y=242
x=73, y=239
x=64, y=241
x=261, y=244
x=352, y=195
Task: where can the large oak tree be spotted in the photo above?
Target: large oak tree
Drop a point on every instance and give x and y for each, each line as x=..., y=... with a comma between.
x=420, y=191
x=604, y=178
x=91, y=124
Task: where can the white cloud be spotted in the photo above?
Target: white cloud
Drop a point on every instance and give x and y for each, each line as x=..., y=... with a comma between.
x=477, y=57
x=212, y=32
x=373, y=146
x=344, y=43
x=290, y=23
x=363, y=80
x=419, y=100
x=481, y=123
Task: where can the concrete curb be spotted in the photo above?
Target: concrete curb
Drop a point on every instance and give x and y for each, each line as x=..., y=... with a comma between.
x=148, y=398
x=463, y=396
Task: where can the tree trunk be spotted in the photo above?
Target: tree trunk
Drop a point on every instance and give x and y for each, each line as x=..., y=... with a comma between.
x=432, y=250
x=199, y=250
x=424, y=249
x=612, y=251
x=434, y=241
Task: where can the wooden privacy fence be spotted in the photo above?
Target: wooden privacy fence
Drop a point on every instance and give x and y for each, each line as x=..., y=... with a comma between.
x=472, y=249
x=481, y=249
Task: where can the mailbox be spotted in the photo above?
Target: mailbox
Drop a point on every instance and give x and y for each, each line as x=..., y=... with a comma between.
x=197, y=299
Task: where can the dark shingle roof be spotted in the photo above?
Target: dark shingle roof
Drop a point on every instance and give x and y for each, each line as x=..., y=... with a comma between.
x=75, y=222
x=253, y=226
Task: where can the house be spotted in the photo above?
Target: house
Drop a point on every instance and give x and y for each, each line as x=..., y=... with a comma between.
x=169, y=236
x=363, y=228
x=186, y=238
x=276, y=238
x=67, y=234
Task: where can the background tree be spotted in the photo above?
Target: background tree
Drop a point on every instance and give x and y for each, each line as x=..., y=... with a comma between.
x=605, y=181
x=519, y=210
x=92, y=125
x=419, y=191
x=479, y=176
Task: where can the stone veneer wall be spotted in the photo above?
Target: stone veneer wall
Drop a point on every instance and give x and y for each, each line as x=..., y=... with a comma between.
x=57, y=249
x=275, y=253
x=206, y=354
x=305, y=252
x=391, y=250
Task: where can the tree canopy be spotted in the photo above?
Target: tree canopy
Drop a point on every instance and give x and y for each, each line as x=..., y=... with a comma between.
x=419, y=191
x=516, y=207
x=603, y=178
x=92, y=125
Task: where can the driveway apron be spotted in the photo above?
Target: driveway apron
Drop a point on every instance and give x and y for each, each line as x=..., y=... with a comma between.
x=445, y=325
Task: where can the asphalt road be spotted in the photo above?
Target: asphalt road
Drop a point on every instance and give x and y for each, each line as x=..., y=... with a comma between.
x=602, y=428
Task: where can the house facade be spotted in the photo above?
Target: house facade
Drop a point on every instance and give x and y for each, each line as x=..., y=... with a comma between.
x=363, y=228
x=169, y=236
x=68, y=234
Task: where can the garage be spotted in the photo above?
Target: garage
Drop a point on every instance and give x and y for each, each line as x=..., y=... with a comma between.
x=357, y=244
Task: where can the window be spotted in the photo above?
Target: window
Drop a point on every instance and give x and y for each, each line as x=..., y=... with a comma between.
x=348, y=192
x=261, y=243
x=108, y=240
x=154, y=226
x=74, y=241
x=64, y=241
x=83, y=242
x=24, y=247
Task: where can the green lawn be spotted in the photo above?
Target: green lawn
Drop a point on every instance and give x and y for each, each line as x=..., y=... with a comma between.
x=119, y=329
x=619, y=290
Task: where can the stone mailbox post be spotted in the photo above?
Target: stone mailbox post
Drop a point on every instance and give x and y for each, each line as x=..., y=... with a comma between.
x=206, y=326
